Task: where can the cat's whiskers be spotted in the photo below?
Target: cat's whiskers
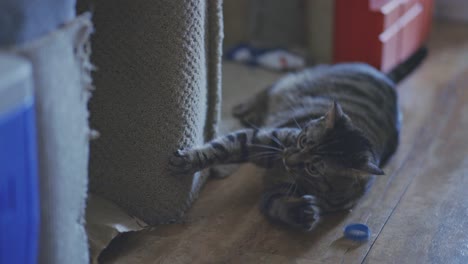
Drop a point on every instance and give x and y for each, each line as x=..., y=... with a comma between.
x=295, y=184
x=290, y=106
x=263, y=153
x=293, y=178
x=330, y=152
x=290, y=192
x=252, y=125
x=266, y=146
x=295, y=188
x=276, y=140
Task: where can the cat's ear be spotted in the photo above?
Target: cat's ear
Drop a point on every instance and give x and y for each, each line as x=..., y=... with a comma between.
x=334, y=114
x=371, y=168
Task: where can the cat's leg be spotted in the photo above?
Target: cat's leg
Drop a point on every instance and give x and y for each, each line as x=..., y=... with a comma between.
x=262, y=147
x=281, y=205
x=252, y=113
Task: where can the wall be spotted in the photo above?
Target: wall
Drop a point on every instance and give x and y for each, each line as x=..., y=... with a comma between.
x=452, y=9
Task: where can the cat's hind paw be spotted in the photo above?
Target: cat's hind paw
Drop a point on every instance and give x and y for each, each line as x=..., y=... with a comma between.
x=248, y=113
x=182, y=163
x=241, y=110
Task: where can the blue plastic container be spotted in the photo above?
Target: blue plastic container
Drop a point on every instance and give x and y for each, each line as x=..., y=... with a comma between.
x=19, y=197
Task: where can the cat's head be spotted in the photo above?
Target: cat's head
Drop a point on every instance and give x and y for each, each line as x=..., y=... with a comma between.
x=331, y=145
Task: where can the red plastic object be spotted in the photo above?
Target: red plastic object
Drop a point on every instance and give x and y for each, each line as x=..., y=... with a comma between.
x=380, y=32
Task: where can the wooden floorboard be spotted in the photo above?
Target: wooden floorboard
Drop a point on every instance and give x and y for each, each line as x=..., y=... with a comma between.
x=430, y=223
x=416, y=211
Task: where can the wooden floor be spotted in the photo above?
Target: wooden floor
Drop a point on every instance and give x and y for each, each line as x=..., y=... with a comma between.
x=418, y=211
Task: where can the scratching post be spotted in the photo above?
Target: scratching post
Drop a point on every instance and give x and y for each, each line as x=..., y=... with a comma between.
x=158, y=84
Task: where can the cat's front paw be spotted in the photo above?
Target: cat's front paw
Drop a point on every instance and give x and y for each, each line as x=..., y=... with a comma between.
x=304, y=213
x=182, y=162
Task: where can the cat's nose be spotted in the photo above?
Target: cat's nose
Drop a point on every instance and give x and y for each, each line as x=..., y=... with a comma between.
x=294, y=159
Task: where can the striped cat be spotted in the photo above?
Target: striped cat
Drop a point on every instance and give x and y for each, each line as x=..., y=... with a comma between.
x=322, y=133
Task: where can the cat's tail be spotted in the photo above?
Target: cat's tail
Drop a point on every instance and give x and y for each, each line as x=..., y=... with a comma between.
x=405, y=68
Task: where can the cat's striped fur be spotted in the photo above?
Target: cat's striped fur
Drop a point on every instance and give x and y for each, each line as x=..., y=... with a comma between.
x=321, y=133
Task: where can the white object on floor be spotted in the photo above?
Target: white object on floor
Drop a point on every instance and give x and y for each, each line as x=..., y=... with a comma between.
x=272, y=59
x=280, y=60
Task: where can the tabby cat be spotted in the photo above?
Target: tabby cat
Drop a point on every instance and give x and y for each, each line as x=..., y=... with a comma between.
x=321, y=133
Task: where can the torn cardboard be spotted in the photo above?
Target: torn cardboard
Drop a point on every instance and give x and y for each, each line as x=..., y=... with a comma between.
x=104, y=222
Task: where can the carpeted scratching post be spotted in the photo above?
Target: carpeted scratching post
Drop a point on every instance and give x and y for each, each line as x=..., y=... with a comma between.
x=158, y=88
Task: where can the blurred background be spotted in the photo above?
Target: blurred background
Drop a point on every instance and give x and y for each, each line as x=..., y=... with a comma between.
x=380, y=32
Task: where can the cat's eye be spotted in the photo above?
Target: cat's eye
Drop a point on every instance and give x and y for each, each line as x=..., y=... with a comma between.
x=310, y=168
x=302, y=141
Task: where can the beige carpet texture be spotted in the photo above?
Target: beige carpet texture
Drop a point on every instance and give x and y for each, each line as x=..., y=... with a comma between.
x=157, y=89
